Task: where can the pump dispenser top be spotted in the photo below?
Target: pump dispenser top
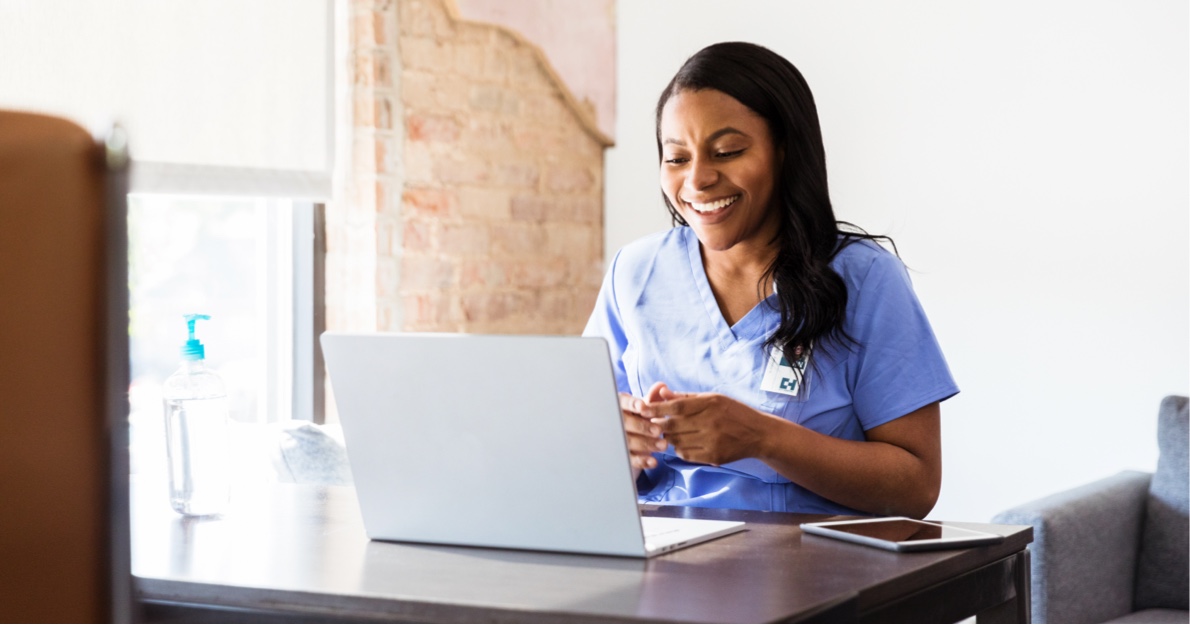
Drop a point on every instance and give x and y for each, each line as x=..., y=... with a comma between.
x=193, y=349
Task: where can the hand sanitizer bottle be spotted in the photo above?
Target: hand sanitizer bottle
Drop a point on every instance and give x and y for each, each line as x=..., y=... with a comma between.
x=196, y=432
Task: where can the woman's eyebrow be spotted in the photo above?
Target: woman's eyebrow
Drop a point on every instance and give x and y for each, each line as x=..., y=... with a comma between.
x=714, y=135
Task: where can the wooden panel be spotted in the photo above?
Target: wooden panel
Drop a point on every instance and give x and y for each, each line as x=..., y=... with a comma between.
x=54, y=446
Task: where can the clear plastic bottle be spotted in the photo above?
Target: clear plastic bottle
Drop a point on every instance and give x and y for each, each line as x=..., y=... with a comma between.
x=196, y=432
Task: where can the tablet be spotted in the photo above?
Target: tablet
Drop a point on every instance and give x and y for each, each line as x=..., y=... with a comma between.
x=901, y=534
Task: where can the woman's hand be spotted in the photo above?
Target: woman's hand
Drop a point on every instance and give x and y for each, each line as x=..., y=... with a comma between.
x=896, y=470
x=644, y=436
x=706, y=427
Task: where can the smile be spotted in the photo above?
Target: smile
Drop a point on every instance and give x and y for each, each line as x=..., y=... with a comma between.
x=711, y=207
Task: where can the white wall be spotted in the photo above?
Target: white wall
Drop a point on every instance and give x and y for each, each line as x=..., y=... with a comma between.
x=1031, y=161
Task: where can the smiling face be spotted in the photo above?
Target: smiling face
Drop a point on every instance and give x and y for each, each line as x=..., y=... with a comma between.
x=718, y=169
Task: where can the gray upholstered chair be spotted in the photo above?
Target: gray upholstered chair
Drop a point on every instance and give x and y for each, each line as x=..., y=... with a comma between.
x=1116, y=550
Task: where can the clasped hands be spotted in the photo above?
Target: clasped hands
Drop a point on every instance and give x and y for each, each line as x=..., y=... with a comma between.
x=703, y=427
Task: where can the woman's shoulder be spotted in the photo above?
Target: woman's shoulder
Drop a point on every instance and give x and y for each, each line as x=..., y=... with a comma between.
x=860, y=258
x=645, y=250
x=651, y=243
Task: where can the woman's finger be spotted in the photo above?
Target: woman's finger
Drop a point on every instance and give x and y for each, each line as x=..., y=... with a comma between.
x=628, y=403
x=634, y=424
x=643, y=462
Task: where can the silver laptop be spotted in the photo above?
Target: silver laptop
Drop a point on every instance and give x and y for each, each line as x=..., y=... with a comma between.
x=494, y=441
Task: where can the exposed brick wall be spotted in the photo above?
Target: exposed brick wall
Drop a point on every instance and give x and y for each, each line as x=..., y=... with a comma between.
x=473, y=199
x=501, y=216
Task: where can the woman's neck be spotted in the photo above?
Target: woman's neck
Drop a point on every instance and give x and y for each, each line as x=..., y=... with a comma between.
x=738, y=278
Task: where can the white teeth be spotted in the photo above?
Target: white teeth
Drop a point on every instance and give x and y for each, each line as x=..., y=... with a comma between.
x=713, y=206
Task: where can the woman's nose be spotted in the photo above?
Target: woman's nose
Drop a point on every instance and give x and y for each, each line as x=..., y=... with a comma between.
x=702, y=174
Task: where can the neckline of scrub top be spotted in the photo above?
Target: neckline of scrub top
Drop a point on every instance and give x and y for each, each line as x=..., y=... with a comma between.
x=750, y=327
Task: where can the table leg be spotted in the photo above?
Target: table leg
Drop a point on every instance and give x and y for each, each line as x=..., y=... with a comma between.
x=1019, y=608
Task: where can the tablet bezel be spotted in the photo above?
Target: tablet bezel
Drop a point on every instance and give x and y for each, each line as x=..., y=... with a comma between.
x=967, y=537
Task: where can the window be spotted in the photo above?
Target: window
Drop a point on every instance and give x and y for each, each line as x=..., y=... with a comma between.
x=246, y=262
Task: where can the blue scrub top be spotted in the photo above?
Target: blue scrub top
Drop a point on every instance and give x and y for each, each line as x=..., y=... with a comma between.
x=662, y=324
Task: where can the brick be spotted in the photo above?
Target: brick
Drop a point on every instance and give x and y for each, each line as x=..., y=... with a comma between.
x=523, y=67
x=439, y=128
x=415, y=19
x=467, y=239
x=419, y=163
x=484, y=203
x=417, y=235
x=385, y=200
x=539, y=273
x=370, y=28
x=487, y=138
x=495, y=306
x=361, y=202
x=371, y=110
x=377, y=5
x=538, y=139
x=387, y=281
x=417, y=88
x=468, y=60
x=420, y=273
x=384, y=28
x=544, y=109
x=577, y=143
x=588, y=210
x=517, y=239
x=425, y=18
x=382, y=112
x=495, y=63
x=372, y=68
x=363, y=110
x=494, y=99
x=363, y=149
x=456, y=171
x=386, y=232
x=425, y=54
x=425, y=310
x=389, y=316
x=586, y=273
x=584, y=303
x=482, y=273
x=566, y=239
x=385, y=151
x=519, y=175
x=569, y=179
x=474, y=33
x=531, y=207
x=556, y=305
x=428, y=203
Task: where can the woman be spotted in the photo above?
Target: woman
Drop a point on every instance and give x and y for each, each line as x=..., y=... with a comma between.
x=767, y=359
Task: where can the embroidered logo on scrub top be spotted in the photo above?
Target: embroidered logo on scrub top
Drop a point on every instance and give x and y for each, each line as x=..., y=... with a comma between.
x=781, y=376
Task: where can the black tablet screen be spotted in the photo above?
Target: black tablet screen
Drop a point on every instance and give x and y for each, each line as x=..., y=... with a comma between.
x=893, y=530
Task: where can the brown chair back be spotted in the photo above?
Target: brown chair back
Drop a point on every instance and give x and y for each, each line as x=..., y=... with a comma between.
x=64, y=548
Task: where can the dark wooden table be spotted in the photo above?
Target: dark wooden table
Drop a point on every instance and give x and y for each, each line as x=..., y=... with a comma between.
x=298, y=553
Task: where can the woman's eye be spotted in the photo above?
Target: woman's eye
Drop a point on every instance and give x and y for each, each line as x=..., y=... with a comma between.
x=676, y=160
x=729, y=154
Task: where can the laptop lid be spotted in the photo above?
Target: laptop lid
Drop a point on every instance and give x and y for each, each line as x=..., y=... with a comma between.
x=493, y=441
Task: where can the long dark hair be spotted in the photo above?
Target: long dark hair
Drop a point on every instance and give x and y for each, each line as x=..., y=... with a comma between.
x=812, y=298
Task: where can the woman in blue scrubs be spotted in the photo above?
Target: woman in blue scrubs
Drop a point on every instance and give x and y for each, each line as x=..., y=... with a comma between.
x=768, y=356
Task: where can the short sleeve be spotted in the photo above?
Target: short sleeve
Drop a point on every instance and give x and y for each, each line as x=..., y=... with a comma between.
x=897, y=364
x=607, y=323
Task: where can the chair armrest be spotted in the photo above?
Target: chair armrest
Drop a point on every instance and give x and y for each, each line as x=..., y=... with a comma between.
x=1084, y=549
